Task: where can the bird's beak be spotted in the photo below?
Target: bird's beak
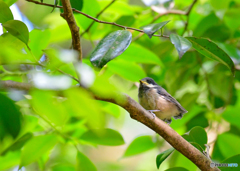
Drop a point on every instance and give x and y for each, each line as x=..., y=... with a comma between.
x=143, y=82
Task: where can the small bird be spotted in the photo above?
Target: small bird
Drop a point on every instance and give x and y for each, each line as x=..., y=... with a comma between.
x=158, y=101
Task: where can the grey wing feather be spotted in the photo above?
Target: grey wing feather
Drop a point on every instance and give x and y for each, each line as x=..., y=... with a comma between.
x=168, y=97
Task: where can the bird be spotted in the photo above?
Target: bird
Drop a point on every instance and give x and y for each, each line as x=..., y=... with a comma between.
x=158, y=101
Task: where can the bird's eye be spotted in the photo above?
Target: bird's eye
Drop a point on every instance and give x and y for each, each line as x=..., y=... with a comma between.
x=149, y=81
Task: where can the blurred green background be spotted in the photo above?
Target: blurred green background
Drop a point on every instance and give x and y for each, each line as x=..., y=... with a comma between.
x=56, y=126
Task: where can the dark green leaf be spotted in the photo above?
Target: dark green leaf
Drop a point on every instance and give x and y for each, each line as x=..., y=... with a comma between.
x=211, y=50
x=84, y=163
x=232, y=160
x=162, y=156
x=180, y=43
x=205, y=24
x=10, y=117
x=17, y=29
x=139, y=145
x=153, y=28
x=19, y=143
x=177, y=169
x=76, y=4
x=36, y=147
x=103, y=137
x=5, y=12
x=110, y=47
x=197, y=136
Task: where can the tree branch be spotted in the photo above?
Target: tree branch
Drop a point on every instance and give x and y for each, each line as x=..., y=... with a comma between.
x=138, y=113
x=68, y=16
x=15, y=85
x=95, y=19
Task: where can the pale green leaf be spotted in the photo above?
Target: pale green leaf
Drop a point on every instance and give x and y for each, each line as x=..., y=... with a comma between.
x=36, y=147
x=84, y=163
x=139, y=145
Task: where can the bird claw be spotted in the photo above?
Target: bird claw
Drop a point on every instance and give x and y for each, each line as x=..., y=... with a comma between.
x=151, y=111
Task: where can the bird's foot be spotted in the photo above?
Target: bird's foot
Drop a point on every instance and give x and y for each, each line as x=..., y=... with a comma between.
x=151, y=111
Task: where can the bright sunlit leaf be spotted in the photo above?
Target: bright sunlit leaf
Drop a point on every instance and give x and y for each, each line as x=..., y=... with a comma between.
x=36, y=147
x=84, y=163
x=17, y=29
x=5, y=12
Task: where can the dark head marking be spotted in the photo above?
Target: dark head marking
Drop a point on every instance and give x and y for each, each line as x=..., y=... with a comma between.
x=148, y=80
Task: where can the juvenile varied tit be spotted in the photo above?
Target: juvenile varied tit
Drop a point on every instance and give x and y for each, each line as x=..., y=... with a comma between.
x=158, y=101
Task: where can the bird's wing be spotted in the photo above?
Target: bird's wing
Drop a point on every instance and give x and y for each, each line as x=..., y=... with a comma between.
x=169, y=98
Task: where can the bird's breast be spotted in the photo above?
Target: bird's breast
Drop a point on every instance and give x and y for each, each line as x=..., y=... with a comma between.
x=151, y=100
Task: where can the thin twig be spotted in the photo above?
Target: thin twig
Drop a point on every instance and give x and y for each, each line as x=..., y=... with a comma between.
x=89, y=27
x=187, y=14
x=68, y=16
x=95, y=19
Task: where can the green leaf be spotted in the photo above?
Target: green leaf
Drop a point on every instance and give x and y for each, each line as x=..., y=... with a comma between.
x=162, y=156
x=197, y=136
x=228, y=144
x=110, y=47
x=39, y=40
x=10, y=2
x=36, y=147
x=85, y=109
x=10, y=160
x=55, y=112
x=107, y=137
x=232, y=160
x=123, y=68
x=19, y=143
x=10, y=117
x=180, y=43
x=77, y=4
x=62, y=167
x=5, y=12
x=153, y=28
x=17, y=29
x=84, y=163
x=177, y=169
x=140, y=54
x=139, y=145
x=211, y=50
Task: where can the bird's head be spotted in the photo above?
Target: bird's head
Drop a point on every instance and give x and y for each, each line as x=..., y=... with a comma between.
x=148, y=82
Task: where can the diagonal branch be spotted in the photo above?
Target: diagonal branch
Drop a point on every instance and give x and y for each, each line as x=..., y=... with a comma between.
x=95, y=19
x=68, y=16
x=138, y=113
